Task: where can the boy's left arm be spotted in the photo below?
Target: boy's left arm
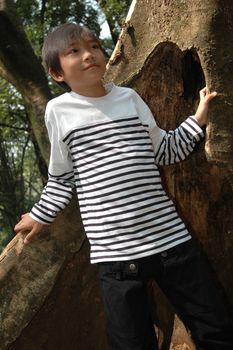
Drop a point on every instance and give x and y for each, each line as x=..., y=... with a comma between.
x=175, y=145
x=201, y=114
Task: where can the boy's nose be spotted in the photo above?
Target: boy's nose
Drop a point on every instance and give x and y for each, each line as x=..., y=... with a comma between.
x=87, y=55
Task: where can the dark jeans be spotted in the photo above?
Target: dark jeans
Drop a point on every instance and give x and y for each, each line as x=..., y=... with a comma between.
x=182, y=275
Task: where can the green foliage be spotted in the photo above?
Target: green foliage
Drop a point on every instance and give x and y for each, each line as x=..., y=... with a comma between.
x=117, y=9
x=115, y=12
x=40, y=17
x=5, y=238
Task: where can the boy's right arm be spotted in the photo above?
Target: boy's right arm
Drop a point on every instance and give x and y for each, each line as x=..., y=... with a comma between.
x=58, y=192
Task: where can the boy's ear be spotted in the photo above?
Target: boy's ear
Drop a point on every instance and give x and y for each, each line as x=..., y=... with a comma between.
x=56, y=75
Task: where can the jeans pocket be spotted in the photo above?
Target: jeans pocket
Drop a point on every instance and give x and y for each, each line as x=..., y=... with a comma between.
x=119, y=270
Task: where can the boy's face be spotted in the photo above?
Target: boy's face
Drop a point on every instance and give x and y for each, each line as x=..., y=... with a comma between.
x=83, y=65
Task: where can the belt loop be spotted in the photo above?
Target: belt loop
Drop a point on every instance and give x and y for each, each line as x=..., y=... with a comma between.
x=117, y=268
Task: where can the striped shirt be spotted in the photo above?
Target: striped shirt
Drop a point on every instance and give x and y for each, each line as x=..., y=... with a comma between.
x=108, y=148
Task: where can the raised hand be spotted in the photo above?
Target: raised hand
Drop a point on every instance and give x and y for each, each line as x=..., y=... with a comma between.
x=202, y=110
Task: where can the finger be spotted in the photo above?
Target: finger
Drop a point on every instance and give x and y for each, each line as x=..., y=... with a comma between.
x=203, y=92
x=17, y=227
x=20, y=227
x=21, y=231
x=30, y=236
x=211, y=96
x=206, y=95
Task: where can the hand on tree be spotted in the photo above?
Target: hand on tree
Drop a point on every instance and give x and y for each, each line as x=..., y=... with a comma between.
x=29, y=226
x=202, y=110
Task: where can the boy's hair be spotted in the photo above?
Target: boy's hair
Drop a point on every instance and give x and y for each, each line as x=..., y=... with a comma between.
x=58, y=41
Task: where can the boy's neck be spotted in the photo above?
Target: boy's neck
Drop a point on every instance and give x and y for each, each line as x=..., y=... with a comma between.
x=97, y=90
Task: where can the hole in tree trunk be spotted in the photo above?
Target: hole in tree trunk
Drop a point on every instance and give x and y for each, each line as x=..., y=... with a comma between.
x=170, y=82
x=192, y=74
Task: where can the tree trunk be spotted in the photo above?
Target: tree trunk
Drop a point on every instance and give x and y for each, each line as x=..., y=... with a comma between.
x=173, y=49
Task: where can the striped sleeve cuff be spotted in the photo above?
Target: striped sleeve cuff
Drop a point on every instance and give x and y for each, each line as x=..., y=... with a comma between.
x=40, y=217
x=192, y=126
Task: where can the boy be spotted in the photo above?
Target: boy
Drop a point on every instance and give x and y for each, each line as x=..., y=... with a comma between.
x=105, y=142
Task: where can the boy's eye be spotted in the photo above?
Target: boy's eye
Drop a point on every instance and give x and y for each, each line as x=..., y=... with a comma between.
x=95, y=46
x=73, y=50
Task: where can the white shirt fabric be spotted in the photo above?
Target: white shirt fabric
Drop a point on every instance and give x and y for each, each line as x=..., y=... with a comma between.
x=108, y=148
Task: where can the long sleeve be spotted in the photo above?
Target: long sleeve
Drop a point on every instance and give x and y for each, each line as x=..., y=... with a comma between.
x=170, y=146
x=59, y=189
x=175, y=145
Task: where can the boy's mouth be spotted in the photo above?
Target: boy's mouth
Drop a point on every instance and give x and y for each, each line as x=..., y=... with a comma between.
x=91, y=66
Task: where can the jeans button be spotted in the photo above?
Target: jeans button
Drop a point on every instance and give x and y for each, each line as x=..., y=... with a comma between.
x=164, y=254
x=132, y=267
